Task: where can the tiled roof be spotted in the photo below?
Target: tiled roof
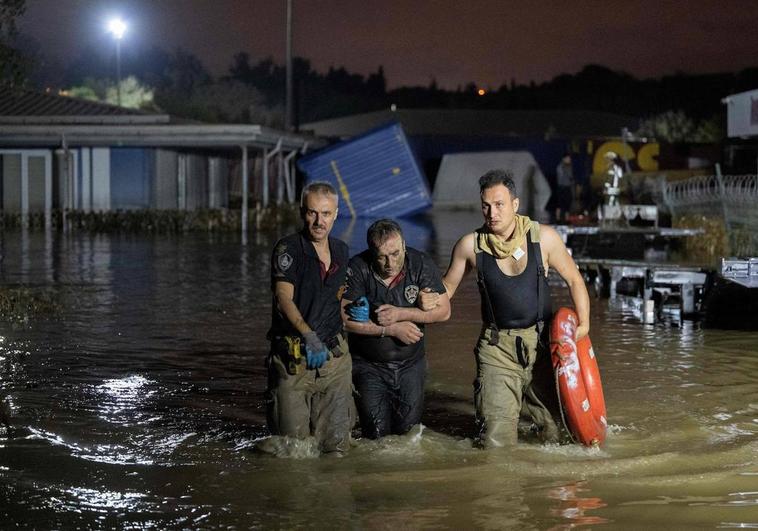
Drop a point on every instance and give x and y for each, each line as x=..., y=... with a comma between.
x=20, y=102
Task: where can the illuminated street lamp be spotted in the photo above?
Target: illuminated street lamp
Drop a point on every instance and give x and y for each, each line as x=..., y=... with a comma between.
x=117, y=28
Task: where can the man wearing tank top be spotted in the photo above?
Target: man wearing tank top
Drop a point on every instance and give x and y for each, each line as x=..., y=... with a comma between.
x=512, y=255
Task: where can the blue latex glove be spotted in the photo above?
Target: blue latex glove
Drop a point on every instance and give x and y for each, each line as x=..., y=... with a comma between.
x=359, y=310
x=316, y=353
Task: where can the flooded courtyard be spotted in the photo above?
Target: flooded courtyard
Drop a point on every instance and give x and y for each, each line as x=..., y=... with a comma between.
x=138, y=403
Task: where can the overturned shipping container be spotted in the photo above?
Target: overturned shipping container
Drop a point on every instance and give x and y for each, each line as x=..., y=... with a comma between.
x=376, y=174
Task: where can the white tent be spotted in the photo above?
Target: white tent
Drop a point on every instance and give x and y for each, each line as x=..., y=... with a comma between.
x=457, y=183
x=742, y=111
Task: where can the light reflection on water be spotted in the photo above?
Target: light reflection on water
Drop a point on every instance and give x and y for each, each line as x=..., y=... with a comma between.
x=120, y=398
x=140, y=406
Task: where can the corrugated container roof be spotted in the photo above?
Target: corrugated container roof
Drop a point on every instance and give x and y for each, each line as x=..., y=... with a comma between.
x=376, y=174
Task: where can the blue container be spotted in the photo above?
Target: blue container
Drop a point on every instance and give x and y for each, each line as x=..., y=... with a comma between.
x=376, y=174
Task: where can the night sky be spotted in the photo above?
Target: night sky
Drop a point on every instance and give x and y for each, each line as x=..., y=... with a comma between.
x=488, y=42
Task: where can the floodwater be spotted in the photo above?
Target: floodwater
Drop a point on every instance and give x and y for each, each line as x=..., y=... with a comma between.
x=138, y=404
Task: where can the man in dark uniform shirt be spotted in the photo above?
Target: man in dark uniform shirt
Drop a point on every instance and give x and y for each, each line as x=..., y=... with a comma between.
x=309, y=367
x=386, y=329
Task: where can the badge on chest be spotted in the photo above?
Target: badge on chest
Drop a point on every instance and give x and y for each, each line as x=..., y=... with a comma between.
x=518, y=254
x=411, y=293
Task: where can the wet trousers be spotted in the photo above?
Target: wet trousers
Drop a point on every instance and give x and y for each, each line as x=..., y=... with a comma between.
x=514, y=378
x=390, y=399
x=316, y=402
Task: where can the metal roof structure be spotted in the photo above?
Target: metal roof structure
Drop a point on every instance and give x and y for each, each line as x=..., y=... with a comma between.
x=200, y=135
x=557, y=123
x=31, y=119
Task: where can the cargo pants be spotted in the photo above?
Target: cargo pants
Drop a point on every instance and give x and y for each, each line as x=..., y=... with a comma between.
x=316, y=402
x=513, y=379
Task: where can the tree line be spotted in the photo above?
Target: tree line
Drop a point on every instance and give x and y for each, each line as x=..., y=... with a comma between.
x=253, y=90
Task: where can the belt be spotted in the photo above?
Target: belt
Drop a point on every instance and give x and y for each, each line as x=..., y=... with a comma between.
x=333, y=342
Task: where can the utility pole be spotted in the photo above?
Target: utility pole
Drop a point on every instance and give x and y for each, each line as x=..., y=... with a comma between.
x=289, y=118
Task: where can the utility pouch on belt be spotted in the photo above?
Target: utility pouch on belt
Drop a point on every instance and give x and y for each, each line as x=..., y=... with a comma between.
x=293, y=357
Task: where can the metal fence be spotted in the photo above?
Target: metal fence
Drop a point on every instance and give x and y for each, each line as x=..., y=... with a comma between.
x=734, y=198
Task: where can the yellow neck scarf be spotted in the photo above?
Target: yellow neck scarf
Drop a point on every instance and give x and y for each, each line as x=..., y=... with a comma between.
x=491, y=244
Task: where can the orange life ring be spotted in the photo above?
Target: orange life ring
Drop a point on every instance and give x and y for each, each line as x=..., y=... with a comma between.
x=578, y=379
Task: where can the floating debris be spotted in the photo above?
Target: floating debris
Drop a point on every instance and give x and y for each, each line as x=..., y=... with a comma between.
x=158, y=221
x=714, y=242
x=18, y=304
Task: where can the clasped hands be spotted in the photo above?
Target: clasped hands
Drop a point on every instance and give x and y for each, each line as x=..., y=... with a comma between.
x=387, y=316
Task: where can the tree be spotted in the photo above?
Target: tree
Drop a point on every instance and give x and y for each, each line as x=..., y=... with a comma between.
x=676, y=126
x=229, y=100
x=133, y=94
x=13, y=65
x=183, y=74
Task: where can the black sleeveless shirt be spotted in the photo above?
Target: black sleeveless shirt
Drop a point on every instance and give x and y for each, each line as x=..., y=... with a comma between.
x=514, y=299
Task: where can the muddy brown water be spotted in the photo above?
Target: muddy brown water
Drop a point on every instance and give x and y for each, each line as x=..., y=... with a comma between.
x=138, y=405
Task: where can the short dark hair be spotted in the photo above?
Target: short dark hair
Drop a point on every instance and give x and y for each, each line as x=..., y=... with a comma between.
x=380, y=230
x=317, y=187
x=495, y=177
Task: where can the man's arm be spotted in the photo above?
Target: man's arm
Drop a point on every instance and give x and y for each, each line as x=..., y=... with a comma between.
x=366, y=328
x=405, y=331
x=387, y=314
x=462, y=261
x=285, y=301
x=559, y=259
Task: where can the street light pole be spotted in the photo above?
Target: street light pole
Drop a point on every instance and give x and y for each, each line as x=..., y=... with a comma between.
x=117, y=27
x=118, y=71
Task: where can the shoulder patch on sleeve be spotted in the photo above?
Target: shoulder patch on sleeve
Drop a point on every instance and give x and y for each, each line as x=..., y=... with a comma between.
x=284, y=261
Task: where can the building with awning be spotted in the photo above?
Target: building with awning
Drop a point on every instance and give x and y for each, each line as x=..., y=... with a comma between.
x=64, y=153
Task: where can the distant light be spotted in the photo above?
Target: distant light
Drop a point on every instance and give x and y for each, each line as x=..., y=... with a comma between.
x=481, y=92
x=393, y=107
x=117, y=27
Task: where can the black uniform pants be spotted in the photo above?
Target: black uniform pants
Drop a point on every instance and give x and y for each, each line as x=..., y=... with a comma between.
x=390, y=398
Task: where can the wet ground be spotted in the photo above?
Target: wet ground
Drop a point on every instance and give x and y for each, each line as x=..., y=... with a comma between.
x=138, y=404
